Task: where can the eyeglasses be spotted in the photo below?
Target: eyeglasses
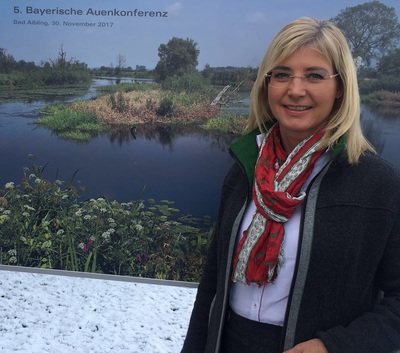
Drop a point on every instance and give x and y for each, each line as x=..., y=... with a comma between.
x=282, y=79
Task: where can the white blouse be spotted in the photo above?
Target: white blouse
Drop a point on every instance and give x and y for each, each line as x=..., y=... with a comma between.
x=268, y=303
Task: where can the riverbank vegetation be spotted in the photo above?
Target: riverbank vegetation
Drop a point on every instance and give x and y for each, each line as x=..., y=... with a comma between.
x=43, y=224
x=178, y=100
x=59, y=72
x=382, y=98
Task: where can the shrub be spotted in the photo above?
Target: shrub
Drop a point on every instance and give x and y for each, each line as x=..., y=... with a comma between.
x=166, y=107
x=44, y=225
x=118, y=102
x=382, y=83
x=189, y=83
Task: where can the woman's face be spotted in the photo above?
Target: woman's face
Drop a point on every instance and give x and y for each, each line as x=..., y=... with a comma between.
x=302, y=107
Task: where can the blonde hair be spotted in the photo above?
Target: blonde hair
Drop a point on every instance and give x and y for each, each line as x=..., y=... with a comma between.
x=324, y=36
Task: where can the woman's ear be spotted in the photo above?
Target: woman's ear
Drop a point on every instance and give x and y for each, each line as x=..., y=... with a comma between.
x=339, y=89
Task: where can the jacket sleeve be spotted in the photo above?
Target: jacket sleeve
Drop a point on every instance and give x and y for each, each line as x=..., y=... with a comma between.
x=377, y=331
x=196, y=337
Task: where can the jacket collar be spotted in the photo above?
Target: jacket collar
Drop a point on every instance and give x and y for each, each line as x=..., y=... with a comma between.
x=245, y=151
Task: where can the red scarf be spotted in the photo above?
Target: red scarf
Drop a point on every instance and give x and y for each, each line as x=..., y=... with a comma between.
x=277, y=193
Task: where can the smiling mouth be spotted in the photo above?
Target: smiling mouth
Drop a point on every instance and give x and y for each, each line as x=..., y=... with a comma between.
x=297, y=107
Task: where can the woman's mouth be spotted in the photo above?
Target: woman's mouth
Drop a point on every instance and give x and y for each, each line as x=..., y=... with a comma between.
x=298, y=108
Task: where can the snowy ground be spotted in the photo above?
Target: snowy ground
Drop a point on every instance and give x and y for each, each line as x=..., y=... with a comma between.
x=62, y=314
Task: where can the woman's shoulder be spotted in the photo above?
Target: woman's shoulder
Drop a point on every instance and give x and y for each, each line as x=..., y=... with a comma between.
x=379, y=166
x=371, y=172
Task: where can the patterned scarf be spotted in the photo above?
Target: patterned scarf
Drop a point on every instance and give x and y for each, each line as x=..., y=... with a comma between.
x=277, y=193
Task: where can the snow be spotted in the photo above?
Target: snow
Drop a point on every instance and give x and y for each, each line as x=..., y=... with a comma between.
x=62, y=314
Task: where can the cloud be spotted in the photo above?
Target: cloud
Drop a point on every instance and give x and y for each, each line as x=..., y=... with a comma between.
x=256, y=17
x=175, y=9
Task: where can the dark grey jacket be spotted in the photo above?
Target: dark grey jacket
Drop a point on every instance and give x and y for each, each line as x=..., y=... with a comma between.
x=346, y=287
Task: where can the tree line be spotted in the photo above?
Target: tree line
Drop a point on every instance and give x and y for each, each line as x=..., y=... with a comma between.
x=372, y=30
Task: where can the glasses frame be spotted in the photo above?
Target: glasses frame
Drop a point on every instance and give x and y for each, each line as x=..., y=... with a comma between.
x=268, y=75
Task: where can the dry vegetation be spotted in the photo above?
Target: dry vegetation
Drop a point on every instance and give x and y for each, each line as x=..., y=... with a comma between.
x=388, y=97
x=138, y=107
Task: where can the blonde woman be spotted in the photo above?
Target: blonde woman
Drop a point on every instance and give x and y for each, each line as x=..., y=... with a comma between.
x=305, y=256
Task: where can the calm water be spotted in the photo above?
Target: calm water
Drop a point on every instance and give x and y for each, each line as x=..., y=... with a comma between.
x=185, y=165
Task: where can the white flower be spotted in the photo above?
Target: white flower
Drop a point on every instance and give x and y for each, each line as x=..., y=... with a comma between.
x=78, y=213
x=9, y=185
x=29, y=208
x=6, y=212
x=12, y=252
x=26, y=214
x=106, y=236
x=64, y=197
x=87, y=217
x=60, y=231
x=46, y=244
x=38, y=180
x=110, y=220
x=81, y=246
x=138, y=227
x=12, y=260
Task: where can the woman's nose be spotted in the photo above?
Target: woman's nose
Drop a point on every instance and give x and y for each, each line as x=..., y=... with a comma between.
x=297, y=86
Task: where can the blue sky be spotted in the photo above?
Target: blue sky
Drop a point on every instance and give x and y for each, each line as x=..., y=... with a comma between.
x=227, y=32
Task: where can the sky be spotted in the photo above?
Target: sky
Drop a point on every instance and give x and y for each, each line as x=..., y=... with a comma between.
x=227, y=32
x=42, y=313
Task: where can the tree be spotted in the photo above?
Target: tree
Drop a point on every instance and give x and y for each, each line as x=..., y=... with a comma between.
x=121, y=63
x=177, y=57
x=389, y=65
x=7, y=61
x=63, y=63
x=372, y=29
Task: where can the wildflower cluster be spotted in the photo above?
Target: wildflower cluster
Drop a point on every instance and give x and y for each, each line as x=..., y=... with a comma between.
x=42, y=224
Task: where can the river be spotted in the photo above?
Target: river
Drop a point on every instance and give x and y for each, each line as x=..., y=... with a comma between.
x=182, y=164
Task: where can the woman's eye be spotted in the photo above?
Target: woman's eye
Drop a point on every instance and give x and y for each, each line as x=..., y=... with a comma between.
x=314, y=77
x=281, y=75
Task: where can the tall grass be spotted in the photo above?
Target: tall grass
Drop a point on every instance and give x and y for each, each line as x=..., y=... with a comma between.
x=234, y=124
x=71, y=124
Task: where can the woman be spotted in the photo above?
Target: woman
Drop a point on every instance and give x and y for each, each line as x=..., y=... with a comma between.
x=305, y=256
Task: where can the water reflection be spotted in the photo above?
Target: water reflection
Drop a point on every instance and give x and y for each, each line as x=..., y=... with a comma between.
x=381, y=125
x=166, y=135
x=181, y=163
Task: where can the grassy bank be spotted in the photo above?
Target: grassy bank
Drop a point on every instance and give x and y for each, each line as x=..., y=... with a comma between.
x=71, y=123
x=382, y=98
x=41, y=77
